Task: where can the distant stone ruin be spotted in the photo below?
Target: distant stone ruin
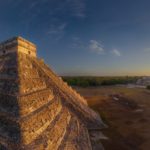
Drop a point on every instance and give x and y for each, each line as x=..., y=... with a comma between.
x=143, y=81
x=38, y=111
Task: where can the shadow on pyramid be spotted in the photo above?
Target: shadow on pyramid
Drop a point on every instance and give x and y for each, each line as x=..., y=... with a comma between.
x=38, y=111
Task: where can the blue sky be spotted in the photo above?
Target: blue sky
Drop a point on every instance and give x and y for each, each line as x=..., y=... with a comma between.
x=83, y=37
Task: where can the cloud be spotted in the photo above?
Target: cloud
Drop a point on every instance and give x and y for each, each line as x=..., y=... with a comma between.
x=116, y=52
x=57, y=30
x=52, y=8
x=77, y=43
x=47, y=14
x=96, y=47
x=77, y=8
x=71, y=8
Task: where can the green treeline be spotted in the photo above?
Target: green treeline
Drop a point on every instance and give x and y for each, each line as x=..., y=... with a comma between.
x=98, y=81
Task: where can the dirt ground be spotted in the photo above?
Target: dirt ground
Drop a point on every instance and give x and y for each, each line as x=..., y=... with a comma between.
x=127, y=113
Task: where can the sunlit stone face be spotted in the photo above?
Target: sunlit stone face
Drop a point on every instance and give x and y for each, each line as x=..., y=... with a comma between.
x=17, y=44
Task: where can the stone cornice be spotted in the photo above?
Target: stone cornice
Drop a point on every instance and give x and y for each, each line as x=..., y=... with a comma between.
x=15, y=42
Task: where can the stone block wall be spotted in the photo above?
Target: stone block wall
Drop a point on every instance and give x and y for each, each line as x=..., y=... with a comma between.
x=17, y=44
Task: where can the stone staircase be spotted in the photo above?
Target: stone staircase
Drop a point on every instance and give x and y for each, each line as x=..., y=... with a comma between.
x=58, y=80
x=72, y=101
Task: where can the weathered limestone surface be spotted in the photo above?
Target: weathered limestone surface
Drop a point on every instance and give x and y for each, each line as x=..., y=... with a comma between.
x=38, y=111
x=17, y=44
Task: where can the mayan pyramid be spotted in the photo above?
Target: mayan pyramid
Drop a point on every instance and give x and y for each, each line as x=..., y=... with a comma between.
x=38, y=111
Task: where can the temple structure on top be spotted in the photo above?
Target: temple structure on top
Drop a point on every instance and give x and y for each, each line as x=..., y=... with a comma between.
x=18, y=44
x=38, y=110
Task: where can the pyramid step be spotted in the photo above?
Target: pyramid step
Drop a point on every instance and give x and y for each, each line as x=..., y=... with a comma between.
x=7, y=78
x=77, y=138
x=91, y=119
x=28, y=71
x=35, y=85
x=72, y=102
x=74, y=97
x=8, y=61
x=52, y=137
x=60, y=83
x=8, y=72
x=9, y=86
x=8, y=115
x=25, y=104
x=16, y=117
x=33, y=101
x=29, y=128
x=8, y=105
x=58, y=132
x=34, y=124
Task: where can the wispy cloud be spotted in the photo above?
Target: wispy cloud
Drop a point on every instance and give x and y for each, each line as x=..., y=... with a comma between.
x=116, y=52
x=77, y=43
x=57, y=31
x=77, y=8
x=96, y=47
x=49, y=15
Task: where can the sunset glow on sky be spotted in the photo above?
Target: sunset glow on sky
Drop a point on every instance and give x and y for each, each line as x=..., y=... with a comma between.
x=83, y=37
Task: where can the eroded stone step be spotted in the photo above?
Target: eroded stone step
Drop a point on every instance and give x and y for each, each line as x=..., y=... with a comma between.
x=15, y=103
x=58, y=132
x=90, y=117
x=9, y=86
x=8, y=105
x=31, y=84
x=34, y=125
x=76, y=137
x=48, y=139
x=30, y=128
x=16, y=117
x=64, y=86
x=21, y=105
x=30, y=102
